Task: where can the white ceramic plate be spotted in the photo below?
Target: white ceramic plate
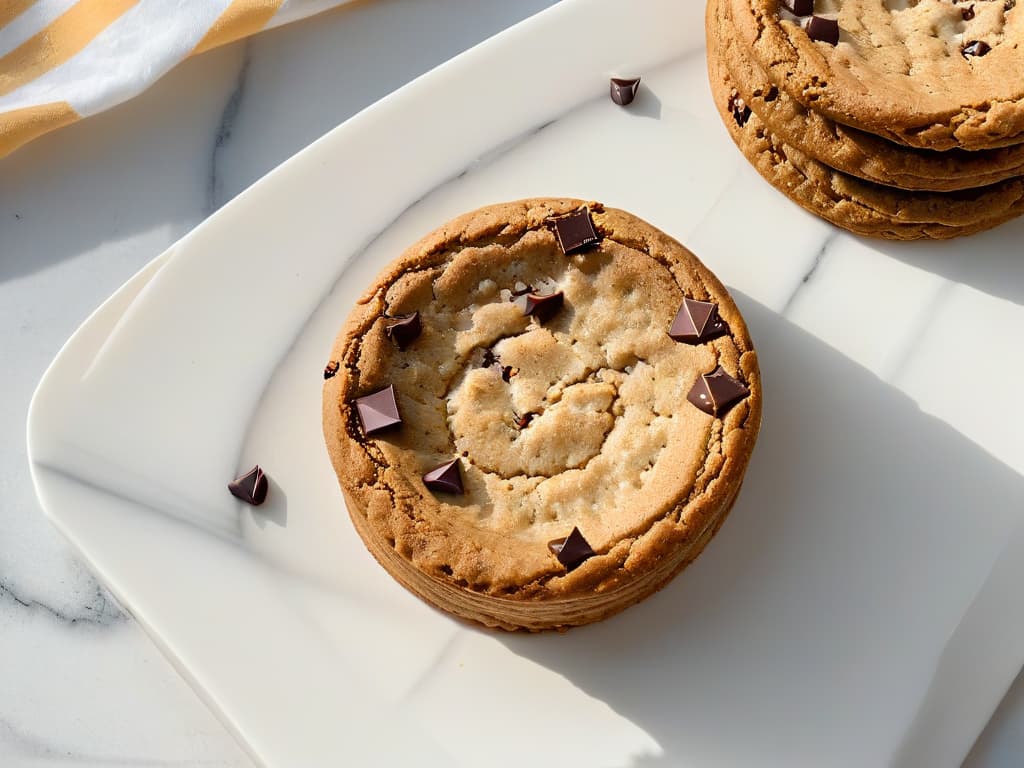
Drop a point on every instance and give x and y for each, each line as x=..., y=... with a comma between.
x=844, y=601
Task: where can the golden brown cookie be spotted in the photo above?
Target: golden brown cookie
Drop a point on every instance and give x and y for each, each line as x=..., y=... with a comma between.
x=935, y=74
x=847, y=149
x=851, y=203
x=541, y=412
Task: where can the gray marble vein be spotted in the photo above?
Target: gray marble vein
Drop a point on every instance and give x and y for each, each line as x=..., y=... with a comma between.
x=225, y=126
x=100, y=609
x=30, y=748
x=819, y=257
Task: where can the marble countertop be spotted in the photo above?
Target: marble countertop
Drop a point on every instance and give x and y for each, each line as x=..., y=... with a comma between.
x=83, y=209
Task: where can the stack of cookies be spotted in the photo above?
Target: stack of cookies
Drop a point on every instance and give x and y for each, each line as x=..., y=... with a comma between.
x=901, y=119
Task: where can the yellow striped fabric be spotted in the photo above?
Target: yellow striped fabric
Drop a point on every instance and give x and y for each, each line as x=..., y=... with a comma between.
x=65, y=59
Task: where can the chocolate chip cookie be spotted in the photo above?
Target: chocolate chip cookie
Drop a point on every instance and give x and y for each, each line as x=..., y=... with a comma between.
x=848, y=149
x=541, y=412
x=935, y=74
x=859, y=206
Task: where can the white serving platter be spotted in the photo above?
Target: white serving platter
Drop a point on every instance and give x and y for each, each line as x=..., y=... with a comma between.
x=859, y=607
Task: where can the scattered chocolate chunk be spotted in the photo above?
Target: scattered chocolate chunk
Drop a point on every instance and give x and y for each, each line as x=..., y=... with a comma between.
x=697, y=322
x=717, y=392
x=967, y=13
x=575, y=231
x=330, y=369
x=572, y=550
x=507, y=372
x=740, y=110
x=404, y=329
x=522, y=422
x=623, y=91
x=976, y=48
x=445, y=478
x=250, y=487
x=822, y=29
x=489, y=359
x=799, y=7
x=378, y=411
x=543, y=307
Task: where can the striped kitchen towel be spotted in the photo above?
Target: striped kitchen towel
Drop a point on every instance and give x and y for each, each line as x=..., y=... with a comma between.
x=61, y=60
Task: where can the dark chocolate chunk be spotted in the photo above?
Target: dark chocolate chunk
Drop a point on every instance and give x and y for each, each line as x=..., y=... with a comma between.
x=697, y=322
x=822, y=29
x=572, y=550
x=740, y=110
x=967, y=13
x=404, y=329
x=445, y=478
x=250, y=487
x=330, y=369
x=489, y=359
x=623, y=91
x=378, y=411
x=575, y=231
x=543, y=307
x=717, y=392
x=799, y=7
x=976, y=48
x=522, y=422
x=507, y=372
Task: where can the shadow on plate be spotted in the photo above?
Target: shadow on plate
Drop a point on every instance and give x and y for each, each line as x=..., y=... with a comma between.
x=854, y=494
x=990, y=261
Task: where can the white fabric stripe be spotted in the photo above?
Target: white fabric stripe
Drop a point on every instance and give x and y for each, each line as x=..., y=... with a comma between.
x=124, y=59
x=30, y=22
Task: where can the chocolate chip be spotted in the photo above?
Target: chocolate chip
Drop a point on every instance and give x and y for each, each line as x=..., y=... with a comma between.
x=489, y=359
x=799, y=7
x=822, y=29
x=507, y=372
x=250, y=487
x=330, y=369
x=967, y=13
x=623, y=91
x=543, y=307
x=976, y=48
x=404, y=329
x=378, y=411
x=522, y=422
x=575, y=231
x=717, y=392
x=445, y=478
x=697, y=322
x=572, y=550
x=740, y=110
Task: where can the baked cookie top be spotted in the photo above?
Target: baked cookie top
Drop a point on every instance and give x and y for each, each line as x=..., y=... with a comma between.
x=552, y=382
x=847, y=149
x=927, y=73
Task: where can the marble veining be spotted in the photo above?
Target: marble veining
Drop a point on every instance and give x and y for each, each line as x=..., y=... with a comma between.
x=215, y=187
x=819, y=257
x=100, y=610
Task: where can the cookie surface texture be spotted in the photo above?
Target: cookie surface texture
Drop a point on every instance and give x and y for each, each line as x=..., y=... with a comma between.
x=935, y=74
x=587, y=477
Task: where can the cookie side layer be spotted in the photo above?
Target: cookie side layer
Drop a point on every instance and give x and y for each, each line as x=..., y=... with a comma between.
x=900, y=69
x=847, y=149
x=856, y=205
